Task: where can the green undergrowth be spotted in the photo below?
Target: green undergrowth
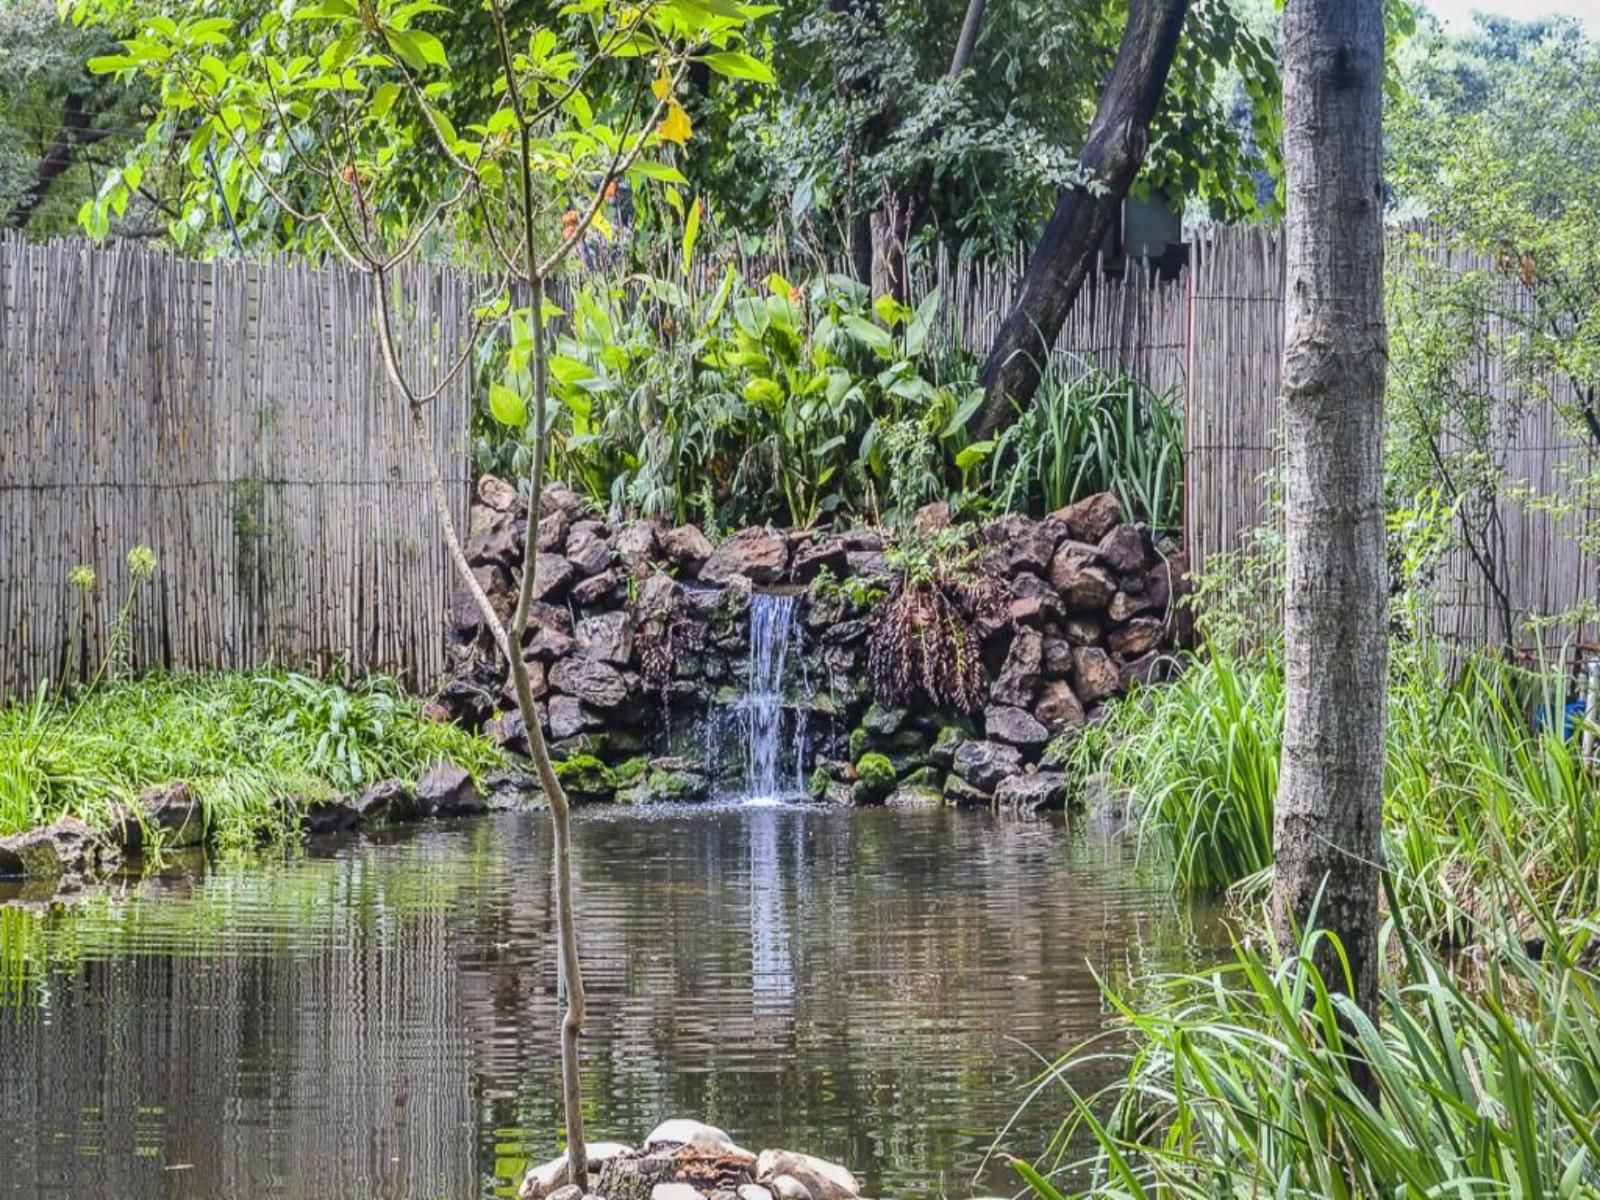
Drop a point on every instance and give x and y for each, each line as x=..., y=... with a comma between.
x=246, y=743
x=1484, y=1080
x=1475, y=787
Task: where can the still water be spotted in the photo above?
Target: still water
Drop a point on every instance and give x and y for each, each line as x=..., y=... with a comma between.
x=377, y=1017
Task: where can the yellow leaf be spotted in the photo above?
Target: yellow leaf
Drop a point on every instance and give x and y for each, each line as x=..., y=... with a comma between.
x=662, y=87
x=675, y=125
x=601, y=226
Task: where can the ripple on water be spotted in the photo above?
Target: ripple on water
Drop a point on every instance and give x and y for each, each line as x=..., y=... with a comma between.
x=378, y=1017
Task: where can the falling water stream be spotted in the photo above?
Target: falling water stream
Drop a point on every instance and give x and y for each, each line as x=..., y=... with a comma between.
x=762, y=734
x=772, y=630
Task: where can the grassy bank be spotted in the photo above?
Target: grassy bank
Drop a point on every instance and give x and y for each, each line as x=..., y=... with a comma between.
x=246, y=743
x=1485, y=1054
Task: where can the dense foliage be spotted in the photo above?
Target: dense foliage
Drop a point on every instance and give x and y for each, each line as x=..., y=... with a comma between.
x=795, y=403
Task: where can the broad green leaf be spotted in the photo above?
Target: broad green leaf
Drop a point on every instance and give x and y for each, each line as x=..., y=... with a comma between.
x=735, y=64
x=507, y=407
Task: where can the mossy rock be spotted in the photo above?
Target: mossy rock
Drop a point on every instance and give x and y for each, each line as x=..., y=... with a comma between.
x=586, y=778
x=875, y=777
x=883, y=721
x=668, y=787
x=860, y=741
x=632, y=769
x=946, y=744
x=923, y=777
x=817, y=785
x=583, y=745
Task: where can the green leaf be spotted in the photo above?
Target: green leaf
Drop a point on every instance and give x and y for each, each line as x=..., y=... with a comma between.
x=507, y=406
x=869, y=335
x=973, y=455
x=765, y=392
x=691, y=234
x=736, y=64
x=657, y=171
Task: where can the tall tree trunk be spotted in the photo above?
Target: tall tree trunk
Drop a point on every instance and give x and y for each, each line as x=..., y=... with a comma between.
x=77, y=129
x=1117, y=142
x=970, y=25
x=1327, y=840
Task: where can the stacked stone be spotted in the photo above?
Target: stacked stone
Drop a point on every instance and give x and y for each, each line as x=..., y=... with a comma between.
x=631, y=621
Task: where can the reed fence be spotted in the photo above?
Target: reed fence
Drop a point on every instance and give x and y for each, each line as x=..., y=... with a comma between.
x=235, y=418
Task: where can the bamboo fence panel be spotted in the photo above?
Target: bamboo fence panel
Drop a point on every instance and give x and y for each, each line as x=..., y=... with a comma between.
x=233, y=416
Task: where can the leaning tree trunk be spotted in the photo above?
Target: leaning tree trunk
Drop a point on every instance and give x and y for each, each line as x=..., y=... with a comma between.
x=1326, y=842
x=1111, y=156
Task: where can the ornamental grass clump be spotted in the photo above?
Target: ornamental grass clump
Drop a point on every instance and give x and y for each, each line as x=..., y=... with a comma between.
x=1483, y=1080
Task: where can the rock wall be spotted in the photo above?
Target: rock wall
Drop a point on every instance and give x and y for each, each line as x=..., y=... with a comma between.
x=640, y=634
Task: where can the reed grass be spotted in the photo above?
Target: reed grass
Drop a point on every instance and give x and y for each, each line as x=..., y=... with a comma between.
x=1484, y=1083
x=1472, y=789
x=248, y=744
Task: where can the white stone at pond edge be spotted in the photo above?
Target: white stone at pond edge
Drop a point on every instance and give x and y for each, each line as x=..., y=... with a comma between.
x=683, y=1132
x=676, y=1191
x=787, y=1187
x=753, y=1191
x=823, y=1180
x=542, y=1180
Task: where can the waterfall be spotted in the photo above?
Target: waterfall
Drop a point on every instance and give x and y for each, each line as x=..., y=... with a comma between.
x=771, y=631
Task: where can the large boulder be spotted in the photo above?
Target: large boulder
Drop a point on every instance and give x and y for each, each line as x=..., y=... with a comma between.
x=686, y=548
x=497, y=494
x=1007, y=723
x=546, y=1178
x=446, y=790
x=558, y=497
x=680, y=1131
x=635, y=543
x=816, y=555
x=1123, y=549
x=1033, y=792
x=1094, y=675
x=569, y=718
x=174, y=815
x=1091, y=590
x=1016, y=543
x=65, y=849
x=1125, y=606
x=591, y=680
x=587, y=548
x=1058, y=706
x=607, y=637
x=1018, y=680
x=1137, y=638
x=1090, y=519
x=760, y=554
x=984, y=764
x=552, y=572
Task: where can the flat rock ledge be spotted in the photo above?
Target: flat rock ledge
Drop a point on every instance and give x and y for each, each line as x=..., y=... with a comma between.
x=688, y=1160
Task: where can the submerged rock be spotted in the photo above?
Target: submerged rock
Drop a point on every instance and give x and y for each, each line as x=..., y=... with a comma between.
x=174, y=814
x=1033, y=793
x=985, y=764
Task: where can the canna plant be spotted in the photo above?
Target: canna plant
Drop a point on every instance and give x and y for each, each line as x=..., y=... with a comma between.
x=357, y=128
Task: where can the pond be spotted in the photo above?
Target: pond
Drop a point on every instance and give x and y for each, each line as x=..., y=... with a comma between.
x=377, y=1016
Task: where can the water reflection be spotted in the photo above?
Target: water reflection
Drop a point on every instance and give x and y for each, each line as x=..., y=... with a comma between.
x=379, y=1018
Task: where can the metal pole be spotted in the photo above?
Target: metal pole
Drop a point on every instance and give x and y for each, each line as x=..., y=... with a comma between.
x=1591, y=711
